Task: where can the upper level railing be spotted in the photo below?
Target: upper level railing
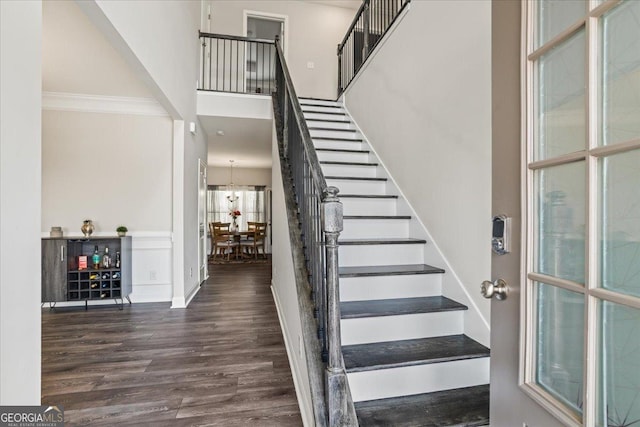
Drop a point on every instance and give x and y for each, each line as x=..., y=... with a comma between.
x=369, y=26
x=237, y=64
x=320, y=216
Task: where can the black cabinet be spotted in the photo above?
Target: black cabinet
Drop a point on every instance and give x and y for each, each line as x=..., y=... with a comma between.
x=65, y=278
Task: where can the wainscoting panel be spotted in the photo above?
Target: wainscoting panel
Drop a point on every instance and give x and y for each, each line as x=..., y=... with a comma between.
x=151, y=267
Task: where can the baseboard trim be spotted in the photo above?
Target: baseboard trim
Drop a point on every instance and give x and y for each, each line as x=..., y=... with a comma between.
x=305, y=411
x=192, y=295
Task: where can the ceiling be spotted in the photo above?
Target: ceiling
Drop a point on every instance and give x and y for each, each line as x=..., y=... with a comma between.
x=246, y=141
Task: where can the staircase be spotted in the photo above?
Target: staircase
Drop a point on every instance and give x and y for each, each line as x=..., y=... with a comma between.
x=408, y=361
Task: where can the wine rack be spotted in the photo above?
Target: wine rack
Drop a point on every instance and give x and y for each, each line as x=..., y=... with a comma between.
x=94, y=284
x=65, y=279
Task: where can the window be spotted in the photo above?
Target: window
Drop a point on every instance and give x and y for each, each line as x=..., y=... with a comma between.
x=249, y=200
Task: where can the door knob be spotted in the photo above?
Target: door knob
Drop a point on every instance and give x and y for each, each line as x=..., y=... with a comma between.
x=498, y=288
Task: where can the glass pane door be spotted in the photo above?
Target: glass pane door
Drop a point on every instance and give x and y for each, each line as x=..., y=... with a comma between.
x=582, y=299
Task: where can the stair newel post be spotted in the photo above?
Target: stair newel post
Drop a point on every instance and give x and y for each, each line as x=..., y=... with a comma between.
x=336, y=375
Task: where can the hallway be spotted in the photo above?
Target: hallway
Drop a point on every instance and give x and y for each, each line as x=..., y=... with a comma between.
x=221, y=362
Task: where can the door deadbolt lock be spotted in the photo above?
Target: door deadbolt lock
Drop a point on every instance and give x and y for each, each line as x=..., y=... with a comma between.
x=498, y=288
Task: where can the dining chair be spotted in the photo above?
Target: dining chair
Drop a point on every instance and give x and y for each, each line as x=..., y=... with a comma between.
x=256, y=240
x=223, y=241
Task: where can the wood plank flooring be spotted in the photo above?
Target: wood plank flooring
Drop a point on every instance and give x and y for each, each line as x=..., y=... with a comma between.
x=221, y=362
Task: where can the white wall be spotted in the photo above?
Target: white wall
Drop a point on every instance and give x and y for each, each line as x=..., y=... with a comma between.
x=159, y=40
x=283, y=284
x=116, y=170
x=241, y=176
x=77, y=58
x=20, y=103
x=314, y=33
x=112, y=168
x=424, y=102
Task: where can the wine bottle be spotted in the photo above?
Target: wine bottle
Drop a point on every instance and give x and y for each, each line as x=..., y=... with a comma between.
x=94, y=276
x=105, y=275
x=117, y=259
x=94, y=285
x=96, y=258
x=106, y=258
x=116, y=275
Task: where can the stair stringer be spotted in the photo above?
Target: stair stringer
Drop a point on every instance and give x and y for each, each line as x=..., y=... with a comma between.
x=476, y=325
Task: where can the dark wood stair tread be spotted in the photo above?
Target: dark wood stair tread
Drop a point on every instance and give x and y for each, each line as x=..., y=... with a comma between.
x=367, y=196
x=467, y=406
x=342, y=150
x=334, y=113
x=355, y=178
x=381, y=241
x=328, y=120
x=331, y=138
x=311, y=98
x=377, y=217
x=332, y=129
x=394, y=354
x=389, y=270
x=399, y=306
x=306, y=106
x=330, y=162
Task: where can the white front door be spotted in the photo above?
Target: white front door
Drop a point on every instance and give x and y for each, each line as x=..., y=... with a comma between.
x=510, y=405
x=578, y=298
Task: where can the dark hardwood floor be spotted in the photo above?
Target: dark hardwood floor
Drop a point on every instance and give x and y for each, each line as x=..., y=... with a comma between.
x=221, y=362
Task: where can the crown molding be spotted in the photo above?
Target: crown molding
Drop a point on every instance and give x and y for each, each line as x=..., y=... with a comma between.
x=63, y=101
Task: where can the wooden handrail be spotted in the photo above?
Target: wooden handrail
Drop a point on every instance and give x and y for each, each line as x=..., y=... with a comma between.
x=309, y=149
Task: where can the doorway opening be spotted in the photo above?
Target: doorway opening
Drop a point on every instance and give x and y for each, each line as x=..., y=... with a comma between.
x=259, y=66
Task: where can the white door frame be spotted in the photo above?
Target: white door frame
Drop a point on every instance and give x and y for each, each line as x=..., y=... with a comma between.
x=246, y=14
x=203, y=272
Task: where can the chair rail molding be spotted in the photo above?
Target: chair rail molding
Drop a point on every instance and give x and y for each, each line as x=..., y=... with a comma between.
x=64, y=101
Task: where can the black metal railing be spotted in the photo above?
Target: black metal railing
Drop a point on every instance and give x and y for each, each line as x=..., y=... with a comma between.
x=320, y=217
x=369, y=26
x=237, y=64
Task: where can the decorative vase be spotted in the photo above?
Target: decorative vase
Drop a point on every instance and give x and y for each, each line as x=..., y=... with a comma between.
x=234, y=226
x=56, y=232
x=87, y=227
x=122, y=233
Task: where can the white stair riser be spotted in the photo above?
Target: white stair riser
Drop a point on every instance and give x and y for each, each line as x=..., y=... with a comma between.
x=349, y=170
x=375, y=228
x=338, y=145
x=323, y=102
x=366, y=288
x=349, y=186
x=403, y=327
x=355, y=255
x=342, y=156
x=418, y=379
x=323, y=116
x=334, y=134
x=366, y=206
x=322, y=109
x=329, y=124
